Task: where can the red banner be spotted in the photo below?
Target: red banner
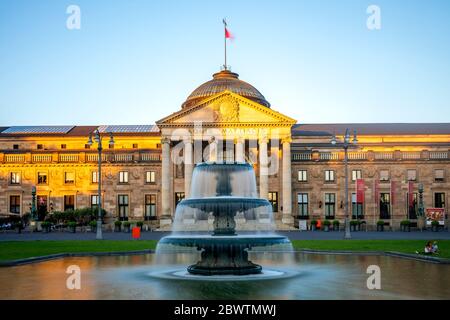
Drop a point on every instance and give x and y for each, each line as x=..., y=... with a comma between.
x=393, y=192
x=360, y=189
x=410, y=194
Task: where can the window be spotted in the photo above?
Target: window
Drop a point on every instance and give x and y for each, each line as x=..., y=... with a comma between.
x=15, y=177
x=411, y=175
x=412, y=210
x=357, y=208
x=87, y=146
x=356, y=174
x=42, y=178
x=150, y=206
x=439, y=200
x=330, y=205
x=111, y=146
x=135, y=145
x=14, y=204
x=40, y=147
x=439, y=175
x=69, y=202
x=63, y=146
x=385, y=206
x=123, y=177
x=150, y=177
x=302, y=175
x=69, y=177
x=94, y=176
x=273, y=199
x=179, y=196
x=302, y=200
x=123, y=207
x=15, y=146
x=329, y=175
x=94, y=200
x=41, y=207
x=384, y=175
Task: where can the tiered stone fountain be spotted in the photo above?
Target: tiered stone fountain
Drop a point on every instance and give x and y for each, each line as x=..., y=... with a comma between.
x=222, y=191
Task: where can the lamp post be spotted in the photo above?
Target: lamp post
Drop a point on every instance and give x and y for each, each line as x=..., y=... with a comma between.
x=345, y=145
x=98, y=138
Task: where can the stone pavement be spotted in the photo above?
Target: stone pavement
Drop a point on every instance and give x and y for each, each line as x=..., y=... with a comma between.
x=293, y=235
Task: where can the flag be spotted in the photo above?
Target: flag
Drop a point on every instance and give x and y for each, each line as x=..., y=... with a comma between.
x=392, y=192
x=411, y=194
x=228, y=34
x=360, y=188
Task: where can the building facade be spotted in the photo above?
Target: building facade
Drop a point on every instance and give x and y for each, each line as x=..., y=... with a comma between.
x=148, y=169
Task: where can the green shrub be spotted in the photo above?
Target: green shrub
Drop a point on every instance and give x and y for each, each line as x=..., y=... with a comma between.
x=118, y=223
x=354, y=222
x=380, y=223
x=140, y=223
x=93, y=223
x=71, y=224
x=336, y=223
x=435, y=223
x=46, y=224
x=313, y=222
x=327, y=223
x=405, y=223
x=126, y=224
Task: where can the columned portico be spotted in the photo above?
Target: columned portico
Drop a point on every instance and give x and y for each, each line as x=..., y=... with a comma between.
x=240, y=149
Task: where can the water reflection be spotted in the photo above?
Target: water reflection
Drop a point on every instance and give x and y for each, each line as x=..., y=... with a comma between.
x=319, y=277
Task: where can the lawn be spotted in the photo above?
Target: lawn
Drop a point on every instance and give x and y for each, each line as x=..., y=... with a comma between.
x=12, y=250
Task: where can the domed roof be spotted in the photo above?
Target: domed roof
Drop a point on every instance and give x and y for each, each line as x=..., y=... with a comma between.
x=225, y=80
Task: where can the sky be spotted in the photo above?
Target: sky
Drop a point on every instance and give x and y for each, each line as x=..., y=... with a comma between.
x=135, y=62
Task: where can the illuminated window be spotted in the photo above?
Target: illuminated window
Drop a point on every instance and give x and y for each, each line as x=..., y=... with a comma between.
x=69, y=177
x=302, y=175
x=329, y=175
x=15, y=178
x=179, y=196
x=385, y=206
x=69, y=202
x=94, y=176
x=273, y=199
x=150, y=177
x=94, y=200
x=357, y=208
x=439, y=200
x=356, y=174
x=123, y=177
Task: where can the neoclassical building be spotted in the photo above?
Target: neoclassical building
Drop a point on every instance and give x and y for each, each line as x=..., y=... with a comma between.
x=148, y=169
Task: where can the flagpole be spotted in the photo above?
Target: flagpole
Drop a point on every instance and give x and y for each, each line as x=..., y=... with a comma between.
x=225, y=41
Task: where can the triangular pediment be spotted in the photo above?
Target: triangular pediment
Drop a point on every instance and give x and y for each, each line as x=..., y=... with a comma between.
x=226, y=109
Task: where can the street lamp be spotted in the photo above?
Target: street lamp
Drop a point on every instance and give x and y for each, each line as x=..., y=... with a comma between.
x=345, y=145
x=98, y=138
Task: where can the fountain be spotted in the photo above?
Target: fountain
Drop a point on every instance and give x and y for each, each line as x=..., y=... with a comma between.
x=222, y=191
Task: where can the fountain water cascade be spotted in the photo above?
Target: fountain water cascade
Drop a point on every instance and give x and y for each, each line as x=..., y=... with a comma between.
x=224, y=196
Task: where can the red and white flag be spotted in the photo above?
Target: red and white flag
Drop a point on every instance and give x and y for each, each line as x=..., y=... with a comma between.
x=360, y=189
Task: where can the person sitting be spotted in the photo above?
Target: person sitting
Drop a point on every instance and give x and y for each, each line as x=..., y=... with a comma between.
x=428, y=249
x=434, y=248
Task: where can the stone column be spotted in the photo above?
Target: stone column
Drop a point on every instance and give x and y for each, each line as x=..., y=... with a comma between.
x=188, y=166
x=165, y=177
x=240, y=150
x=287, y=183
x=263, y=169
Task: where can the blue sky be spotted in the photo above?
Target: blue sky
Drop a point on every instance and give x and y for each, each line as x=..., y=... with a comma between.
x=134, y=62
